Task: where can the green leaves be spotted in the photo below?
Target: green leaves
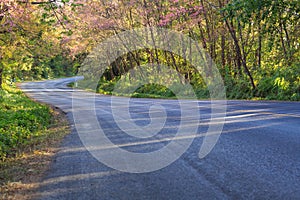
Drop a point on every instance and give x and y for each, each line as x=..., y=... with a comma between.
x=20, y=120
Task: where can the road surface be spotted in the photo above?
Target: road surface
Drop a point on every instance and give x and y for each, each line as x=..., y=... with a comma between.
x=256, y=157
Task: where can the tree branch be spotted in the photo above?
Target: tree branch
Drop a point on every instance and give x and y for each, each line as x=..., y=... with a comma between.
x=37, y=2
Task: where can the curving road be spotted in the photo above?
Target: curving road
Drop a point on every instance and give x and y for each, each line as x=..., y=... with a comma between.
x=256, y=156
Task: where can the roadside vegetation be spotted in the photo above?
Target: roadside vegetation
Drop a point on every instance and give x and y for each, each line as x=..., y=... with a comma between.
x=254, y=44
x=280, y=84
x=30, y=134
x=21, y=121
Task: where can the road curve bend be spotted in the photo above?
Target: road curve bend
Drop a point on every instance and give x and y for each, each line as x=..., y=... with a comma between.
x=256, y=156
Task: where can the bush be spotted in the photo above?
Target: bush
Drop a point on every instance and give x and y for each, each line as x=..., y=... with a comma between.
x=20, y=120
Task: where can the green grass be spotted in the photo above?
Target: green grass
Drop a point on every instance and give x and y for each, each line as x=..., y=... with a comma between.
x=21, y=121
x=31, y=135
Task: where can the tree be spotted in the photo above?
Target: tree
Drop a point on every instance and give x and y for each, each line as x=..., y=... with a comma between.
x=29, y=36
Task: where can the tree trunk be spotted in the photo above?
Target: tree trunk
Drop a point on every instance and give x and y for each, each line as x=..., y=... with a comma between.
x=1, y=72
x=282, y=42
x=223, y=50
x=240, y=59
x=259, y=51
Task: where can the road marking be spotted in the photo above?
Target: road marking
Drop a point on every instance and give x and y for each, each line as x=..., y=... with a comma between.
x=281, y=114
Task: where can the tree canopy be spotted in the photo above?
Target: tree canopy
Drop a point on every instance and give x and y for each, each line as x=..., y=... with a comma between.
x=255, y=44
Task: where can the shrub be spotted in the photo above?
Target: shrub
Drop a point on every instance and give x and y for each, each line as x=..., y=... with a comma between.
x=20, y=120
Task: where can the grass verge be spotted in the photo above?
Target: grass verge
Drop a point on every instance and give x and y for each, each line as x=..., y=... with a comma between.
x=27, y=155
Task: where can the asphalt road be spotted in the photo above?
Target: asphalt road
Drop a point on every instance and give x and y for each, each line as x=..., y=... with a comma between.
x=256, y=157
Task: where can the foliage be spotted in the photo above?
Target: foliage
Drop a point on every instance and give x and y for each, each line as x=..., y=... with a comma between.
x=30, y=39
x=255, y=44
x=21, y=120
x=281, y=84
x=20, y=175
